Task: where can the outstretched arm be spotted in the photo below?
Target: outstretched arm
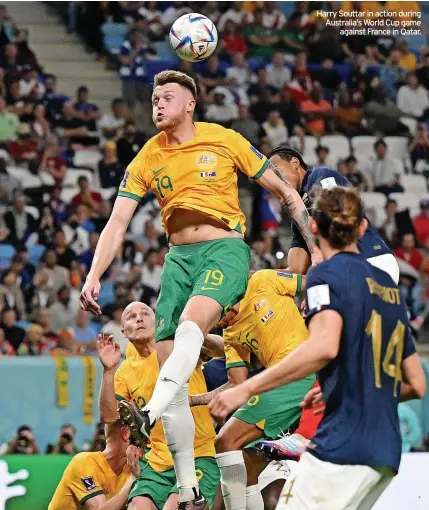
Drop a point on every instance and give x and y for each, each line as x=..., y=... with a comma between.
x=273, y=181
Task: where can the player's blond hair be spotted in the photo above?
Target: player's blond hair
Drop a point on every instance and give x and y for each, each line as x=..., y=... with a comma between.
x=178, y=77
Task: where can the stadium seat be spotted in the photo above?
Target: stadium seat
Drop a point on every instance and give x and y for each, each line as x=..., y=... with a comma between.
x=29, y=180
x=163, y=49
x=374, y=204
x=107, y=294
x=113, y=36
x=7, y=251
x=339, y=146
x=73, y=174
x=363, y=146
x=35, y=253
x=107, y=193
x=97, y=326
x=23, y=324
x=310, y=144
x=406, y=201
x=33, y=211
x=87, y=159
x=68, y=193
x=416, y=184
x=397, y=147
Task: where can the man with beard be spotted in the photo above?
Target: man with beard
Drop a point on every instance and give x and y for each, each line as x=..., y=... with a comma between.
x=192, y=170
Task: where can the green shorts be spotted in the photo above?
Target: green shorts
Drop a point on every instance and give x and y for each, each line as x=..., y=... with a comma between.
x=276, y=410
x=218, y=269
x=158, y=486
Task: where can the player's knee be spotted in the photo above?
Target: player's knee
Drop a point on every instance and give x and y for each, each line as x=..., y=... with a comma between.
x=223, y=443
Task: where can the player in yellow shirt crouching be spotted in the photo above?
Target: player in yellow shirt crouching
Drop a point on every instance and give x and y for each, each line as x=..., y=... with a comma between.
x=97, y=480
x=134, y=381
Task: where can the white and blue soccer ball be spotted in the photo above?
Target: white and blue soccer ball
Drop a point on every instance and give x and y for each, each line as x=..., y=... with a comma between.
x=193, y=37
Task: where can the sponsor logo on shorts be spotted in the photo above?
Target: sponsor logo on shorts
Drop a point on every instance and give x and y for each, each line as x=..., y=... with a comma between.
x=160, y=324
x=267, y=317
x=89, y=483
x=255, y=151
x=259, y=305
x=285, y=275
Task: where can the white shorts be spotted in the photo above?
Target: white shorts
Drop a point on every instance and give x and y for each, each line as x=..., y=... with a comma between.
x=319, y=485
x=388, y=264
x=276, y=470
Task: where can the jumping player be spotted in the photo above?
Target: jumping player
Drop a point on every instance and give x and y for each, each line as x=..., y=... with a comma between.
x=192, y=170
x=294, y=169
x=134, y=380
x=267, y=324
x=362, y=347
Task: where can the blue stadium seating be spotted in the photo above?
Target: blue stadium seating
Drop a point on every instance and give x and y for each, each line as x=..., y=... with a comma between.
x=6, y=253
x=35, y=253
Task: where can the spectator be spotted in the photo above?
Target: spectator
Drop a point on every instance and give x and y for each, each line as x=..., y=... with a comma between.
x=65, y=444
x=407, y=60
x=11, y=296
x=240, y=77
x=262, y=86
x=292, y=39
x=46, y=231
x=348, y=118
x=58, y=207
x=40, y=294
x=151, y=270
x=154, y=19
x=14, y=334
x=53, y=100
x=232, y=42
x=65, y=255
x=277, y=73
x=317, y=111
x=270, y=212
x=421, y=224
x=23, y=277
x=58, y=276
x=322, y=42
x=211, y=10
x=39, y=125
x=84, y=217
x=275, y=129
x=174, y=12
x=353, y=174
x=150, y=238
x=84, y=333
x=9, y=123
x=386, y=224
x=423, y=71
x=110, y=169
x=24, y=443
x=236, y=14
x=73, y=129
x=121, y=300
x=52, y=162
x=383, y=172
x=272, y=17
x=6, y=348
x=29, y=85
x=130, y=143
x=413, y=98
x=418, y=147
x=322, y=155
x=86, y=196
x=63, y=311
x=212, y=76
x=22, y=252
x=26, y=148
x=133, y=56
x=114, y=327
x=328, y=77
x=44, y=318
x=9, y=185
x=66, y=344
x=111, y=123
x=34, y=344
x=88, y=112
x=360, y=72
x=26, y=54
x=19, y=222
x=260, y=40
x=221, y=111
x=85, y=258
x=261, y=256
x=248, y=127
x=392, y=74
x=409, y=252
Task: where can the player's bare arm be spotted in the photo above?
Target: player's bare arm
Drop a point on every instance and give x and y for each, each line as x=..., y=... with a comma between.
x=236, y=375
x=321, y=347
x=414, y=380
x=273, y=181
x=213, y=346
x=118, y=502
x=110, y=241
x=110, y=357
x=298, y=260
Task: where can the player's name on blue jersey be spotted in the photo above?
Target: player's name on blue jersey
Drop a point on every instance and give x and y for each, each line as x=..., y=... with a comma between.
x=387, y=294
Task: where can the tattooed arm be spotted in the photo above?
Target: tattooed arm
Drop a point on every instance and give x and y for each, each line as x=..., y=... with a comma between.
x=273, y=181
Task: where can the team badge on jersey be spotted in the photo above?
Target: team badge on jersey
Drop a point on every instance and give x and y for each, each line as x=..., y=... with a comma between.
x=267, y=317
x=259, y=304
x=328, y=183
x=285, y=275
x=89, y=483
x=206, y=159
x=125, y=179
x=160, y=324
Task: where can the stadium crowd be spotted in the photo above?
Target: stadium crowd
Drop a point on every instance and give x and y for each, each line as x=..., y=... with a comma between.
x=359, y=105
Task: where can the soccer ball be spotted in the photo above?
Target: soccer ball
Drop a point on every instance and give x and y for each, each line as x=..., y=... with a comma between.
x=193, y=37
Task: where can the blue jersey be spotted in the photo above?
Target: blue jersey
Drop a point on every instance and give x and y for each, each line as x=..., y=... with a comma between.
x=370, y=245
x=361, y=385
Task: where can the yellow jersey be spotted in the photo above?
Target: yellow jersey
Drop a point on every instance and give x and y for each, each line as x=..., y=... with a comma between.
x=87, y=475
x=268, y=323
x=135, y=381
x=198, y=175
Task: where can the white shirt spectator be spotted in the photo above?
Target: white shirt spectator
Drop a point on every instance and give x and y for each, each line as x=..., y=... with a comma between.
x=243, y=77
x=115, y=329
x=173, y=12
x=154, y=19
x=382, y=171
x=275, y=19
x=240, y=18
x=77, y=240
x=278, y=76
x=108, y=120
x=276, y=130
x=152, y=278
x=412, y=101
x=31, y=88
x=222, y=112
